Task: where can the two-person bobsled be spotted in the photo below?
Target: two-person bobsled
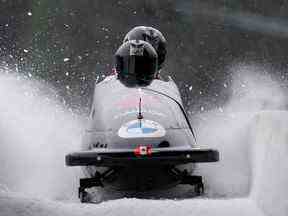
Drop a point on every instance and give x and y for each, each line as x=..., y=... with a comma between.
x=138, y=136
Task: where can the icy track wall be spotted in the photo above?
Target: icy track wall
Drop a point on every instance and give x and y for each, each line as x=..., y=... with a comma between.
x=36, y=130
x=268, y=140
x=270, y=162
x=251, y=133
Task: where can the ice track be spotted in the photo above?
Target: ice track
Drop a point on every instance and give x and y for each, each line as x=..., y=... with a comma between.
x=250, y=180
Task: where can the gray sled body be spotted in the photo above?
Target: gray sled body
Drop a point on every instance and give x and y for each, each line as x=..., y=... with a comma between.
x=138, y=136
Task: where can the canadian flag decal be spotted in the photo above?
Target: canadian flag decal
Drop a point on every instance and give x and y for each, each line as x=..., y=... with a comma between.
x=143, y=150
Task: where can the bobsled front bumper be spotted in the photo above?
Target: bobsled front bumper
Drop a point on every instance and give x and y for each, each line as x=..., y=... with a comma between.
x=127, y=157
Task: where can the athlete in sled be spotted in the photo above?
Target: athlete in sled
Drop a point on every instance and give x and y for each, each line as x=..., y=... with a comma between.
x=138, y=136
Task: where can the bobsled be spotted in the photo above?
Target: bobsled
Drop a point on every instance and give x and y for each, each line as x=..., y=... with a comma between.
x=138, y=135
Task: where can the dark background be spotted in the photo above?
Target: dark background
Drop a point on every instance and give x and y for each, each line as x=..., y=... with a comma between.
x=68, y=43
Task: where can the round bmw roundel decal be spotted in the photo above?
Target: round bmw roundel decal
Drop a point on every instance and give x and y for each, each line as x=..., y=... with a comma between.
x=141, y=128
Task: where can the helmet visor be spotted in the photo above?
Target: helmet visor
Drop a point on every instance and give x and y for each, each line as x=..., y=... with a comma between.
x=138, y=69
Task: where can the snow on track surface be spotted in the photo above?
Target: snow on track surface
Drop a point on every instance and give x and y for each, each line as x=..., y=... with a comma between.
x=251, y=178
x=15, y=205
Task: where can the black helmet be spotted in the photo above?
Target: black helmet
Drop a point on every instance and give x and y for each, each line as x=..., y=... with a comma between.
x=136, y=63
x=152, y=36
